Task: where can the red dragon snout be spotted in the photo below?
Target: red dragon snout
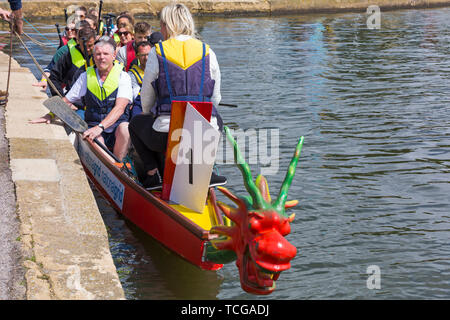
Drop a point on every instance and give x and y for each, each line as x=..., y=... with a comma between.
x=268, y=255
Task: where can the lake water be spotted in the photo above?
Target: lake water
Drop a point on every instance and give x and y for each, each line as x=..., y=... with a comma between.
x=373, y=179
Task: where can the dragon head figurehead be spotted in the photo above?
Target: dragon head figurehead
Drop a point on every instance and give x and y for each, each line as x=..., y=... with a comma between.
x=256, y=237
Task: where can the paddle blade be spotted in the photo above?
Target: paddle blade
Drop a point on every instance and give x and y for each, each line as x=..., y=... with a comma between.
x=66, y=114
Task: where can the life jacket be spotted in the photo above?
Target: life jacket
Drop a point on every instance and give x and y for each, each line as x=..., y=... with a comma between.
x=71, y=43
x=131, y=54
x=100, y=100
x=138, y=73
x=77, y=61
x=183, y=74
x=101, y=28
x=116, y=38
x=76, y=56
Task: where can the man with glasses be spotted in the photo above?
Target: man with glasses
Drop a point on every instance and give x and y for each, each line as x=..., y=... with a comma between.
x=136, y=74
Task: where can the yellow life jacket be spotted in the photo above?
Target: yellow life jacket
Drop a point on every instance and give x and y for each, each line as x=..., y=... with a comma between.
x=183, y=53
x=77, y=57
x=116, y=38
x=138, y=73
x=109, y=86
x=71, y=43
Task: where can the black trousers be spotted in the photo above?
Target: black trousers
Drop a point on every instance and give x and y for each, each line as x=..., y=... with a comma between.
x=149, y=144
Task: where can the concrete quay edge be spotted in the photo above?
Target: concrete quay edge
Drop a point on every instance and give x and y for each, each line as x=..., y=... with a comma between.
x=64, y=241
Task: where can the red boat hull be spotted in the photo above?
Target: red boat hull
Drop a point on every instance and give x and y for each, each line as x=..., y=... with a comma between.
x=147, y=211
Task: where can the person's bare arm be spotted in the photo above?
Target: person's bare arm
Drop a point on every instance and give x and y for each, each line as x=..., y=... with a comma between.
x=111, y=118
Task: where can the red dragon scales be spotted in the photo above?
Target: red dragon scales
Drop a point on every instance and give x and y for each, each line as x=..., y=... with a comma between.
x=256, y=236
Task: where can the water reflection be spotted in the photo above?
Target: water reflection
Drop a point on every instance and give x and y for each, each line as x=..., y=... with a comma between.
x=147, y=269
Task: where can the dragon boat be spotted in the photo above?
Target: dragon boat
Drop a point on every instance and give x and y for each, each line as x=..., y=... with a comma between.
x=252, y=234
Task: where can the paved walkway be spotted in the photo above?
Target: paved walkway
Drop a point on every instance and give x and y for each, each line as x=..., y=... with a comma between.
x=52, y=230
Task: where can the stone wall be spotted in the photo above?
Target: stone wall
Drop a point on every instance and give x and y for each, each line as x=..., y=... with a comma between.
x=46, y=8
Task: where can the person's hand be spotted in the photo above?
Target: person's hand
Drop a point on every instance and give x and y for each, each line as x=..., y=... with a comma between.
x=92, y=133
x=45, y=119
x=41, y=84
x=5, y=14
x=17, y=21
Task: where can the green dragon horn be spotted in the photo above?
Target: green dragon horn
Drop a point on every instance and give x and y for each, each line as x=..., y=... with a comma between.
x=252, y=189
x=282, y=197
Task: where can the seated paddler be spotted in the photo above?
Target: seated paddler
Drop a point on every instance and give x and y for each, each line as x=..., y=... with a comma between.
x=136, y=74
x=105, y=91
x=180, y=68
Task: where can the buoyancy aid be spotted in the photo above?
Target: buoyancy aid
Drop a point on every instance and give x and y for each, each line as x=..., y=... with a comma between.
x=184, y=74
x=116, y=38
x=101, y=28
x=77, y=59
x=131, y=54
x=71, y=43
x=100, y=100
x=76, y=56
x=138, y=73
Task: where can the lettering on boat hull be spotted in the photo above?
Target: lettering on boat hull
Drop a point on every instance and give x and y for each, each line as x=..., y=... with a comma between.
x=102, y=174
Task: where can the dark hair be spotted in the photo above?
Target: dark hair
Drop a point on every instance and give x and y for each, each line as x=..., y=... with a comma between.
x=81, y=8
x=126, y=15
x=82, y=24
x=93, y=18
x=142, y=27
x=86, y=33
x=155, y=37
x=142, y=44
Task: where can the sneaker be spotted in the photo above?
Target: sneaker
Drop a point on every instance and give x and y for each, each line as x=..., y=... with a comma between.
x=153, y=182
x=217, y=180
x=120, y=165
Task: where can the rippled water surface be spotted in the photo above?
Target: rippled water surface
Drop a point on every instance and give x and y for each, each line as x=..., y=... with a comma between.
x=373, y=179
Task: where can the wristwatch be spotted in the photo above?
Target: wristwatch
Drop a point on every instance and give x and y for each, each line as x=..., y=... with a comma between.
x=101, y=126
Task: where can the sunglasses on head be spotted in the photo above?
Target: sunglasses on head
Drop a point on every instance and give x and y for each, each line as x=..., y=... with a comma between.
x=125, y=33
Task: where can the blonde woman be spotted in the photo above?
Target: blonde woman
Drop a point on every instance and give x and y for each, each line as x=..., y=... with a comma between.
x=181, y=57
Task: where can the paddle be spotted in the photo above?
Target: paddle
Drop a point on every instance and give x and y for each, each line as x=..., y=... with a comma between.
x=72, y=119
x=99, y=16
x=228, y=105
x=61, y=43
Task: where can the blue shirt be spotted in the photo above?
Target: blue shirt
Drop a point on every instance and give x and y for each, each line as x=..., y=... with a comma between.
x=15, y=4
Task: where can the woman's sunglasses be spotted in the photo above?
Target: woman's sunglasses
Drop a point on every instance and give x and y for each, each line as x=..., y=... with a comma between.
x=70, y=29
x=125, y=33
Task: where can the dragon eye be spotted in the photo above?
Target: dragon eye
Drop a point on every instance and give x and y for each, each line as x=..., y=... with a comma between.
x=254, y=221
x=285, y=227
